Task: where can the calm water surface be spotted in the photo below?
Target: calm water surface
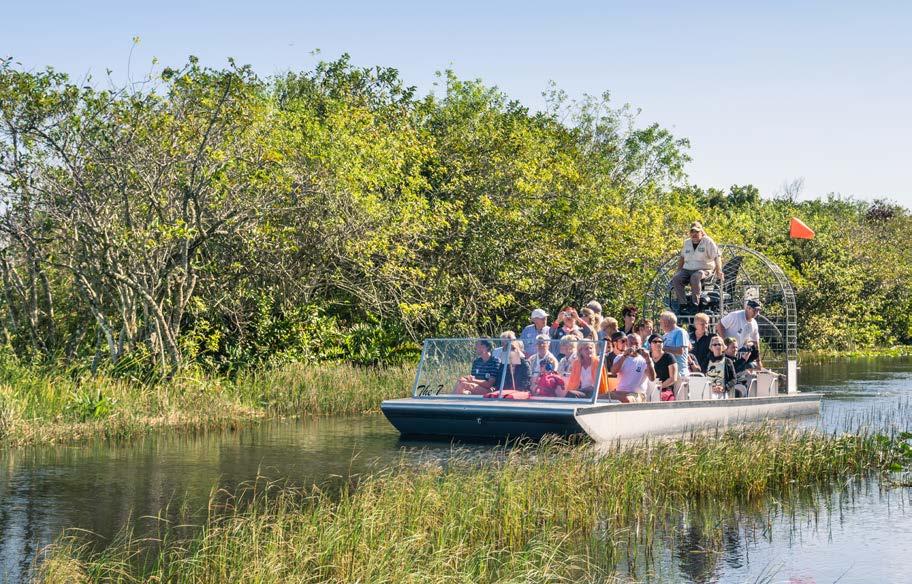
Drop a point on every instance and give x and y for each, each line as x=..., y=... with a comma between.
x=857, y=532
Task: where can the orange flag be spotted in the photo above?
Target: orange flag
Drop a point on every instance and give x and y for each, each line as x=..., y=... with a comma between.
x=798, y=230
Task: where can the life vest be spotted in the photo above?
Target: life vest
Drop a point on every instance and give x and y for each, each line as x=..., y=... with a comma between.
x=509, y=394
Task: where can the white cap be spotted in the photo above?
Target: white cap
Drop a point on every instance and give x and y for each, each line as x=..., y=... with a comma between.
x=539, y=313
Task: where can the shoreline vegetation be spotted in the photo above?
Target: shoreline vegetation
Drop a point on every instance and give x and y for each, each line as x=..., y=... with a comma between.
x=51, y=408
x=228, y=220
x=552, y=511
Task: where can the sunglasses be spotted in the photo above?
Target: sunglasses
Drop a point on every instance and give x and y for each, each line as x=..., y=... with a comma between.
x=715, y=345
x=657, y=342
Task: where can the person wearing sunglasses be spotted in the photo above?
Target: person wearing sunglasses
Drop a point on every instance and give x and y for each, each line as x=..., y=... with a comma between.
x=666, y=368
x=618, y=346
x=721, y=371
x=742, y=325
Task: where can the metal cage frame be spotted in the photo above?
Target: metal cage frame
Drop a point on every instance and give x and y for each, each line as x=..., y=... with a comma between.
x=748, y=274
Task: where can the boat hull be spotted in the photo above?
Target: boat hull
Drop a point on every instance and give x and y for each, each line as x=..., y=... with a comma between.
x=480, y=419
x=454, y=418
x=609, y=422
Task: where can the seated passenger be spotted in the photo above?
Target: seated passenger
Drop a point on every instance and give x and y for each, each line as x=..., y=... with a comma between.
x=516, y=373
x=506, y=338
x=629, y=315
x=583, y=374
x=644, y=329
x=666, y=368
x=567, y=356
x=484, y=371
x=744, y=359
x=744, y=369
x=591, y=319
x=721, y=371
x=538, y=327
x=633, y=368
x=549, y=383
x=699, y=341
x=618, y=346
x=568, y=322
x=608, y=327
x=541, y=355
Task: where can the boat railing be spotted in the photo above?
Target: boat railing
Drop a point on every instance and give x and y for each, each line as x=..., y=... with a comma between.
x=452, y=367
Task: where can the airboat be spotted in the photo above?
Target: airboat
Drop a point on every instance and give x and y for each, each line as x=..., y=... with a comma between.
x=438, y=410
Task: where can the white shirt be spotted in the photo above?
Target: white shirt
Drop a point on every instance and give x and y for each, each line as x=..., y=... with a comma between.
x=702, y=258
x=586, y=380
x=632, y=374
x=736, y=325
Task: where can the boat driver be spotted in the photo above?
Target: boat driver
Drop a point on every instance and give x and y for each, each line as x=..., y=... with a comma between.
x=699, y=257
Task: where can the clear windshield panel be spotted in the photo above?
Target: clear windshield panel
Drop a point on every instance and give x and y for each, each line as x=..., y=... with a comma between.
x=504, y=368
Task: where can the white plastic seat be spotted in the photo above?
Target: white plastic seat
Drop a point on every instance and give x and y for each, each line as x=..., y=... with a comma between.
x=699, y=386
x=752, y=388
x=767, y=385
x=652, y=391
x=681, y=389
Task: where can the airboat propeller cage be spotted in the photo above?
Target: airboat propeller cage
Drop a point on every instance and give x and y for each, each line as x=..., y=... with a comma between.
x=748, y=274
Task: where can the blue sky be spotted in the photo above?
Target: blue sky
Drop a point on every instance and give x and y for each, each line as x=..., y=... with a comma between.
x=766, y=92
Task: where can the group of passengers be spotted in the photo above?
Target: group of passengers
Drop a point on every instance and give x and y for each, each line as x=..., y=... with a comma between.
x=562, y=359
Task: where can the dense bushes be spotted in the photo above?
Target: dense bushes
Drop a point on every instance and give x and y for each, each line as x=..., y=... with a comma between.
x=216, y=218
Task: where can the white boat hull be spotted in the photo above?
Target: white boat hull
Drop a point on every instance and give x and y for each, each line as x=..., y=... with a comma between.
x=615, y=421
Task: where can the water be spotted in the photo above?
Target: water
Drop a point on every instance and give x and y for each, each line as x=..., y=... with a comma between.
x=858, y=532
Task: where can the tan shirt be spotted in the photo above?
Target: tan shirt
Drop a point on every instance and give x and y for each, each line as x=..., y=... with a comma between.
x=701, y=258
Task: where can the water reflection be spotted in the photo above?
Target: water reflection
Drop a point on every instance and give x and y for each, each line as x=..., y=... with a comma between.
x=99, y=488
x=859, y=533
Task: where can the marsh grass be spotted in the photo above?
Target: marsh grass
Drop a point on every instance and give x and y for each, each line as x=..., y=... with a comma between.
x=546, y=512
x=48, y=408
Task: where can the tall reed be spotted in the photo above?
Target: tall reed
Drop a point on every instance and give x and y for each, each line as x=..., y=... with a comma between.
x=46, y=408
x=546, y=512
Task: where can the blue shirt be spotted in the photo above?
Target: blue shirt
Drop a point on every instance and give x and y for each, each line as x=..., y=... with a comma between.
x=485, y=370
x=674, y=339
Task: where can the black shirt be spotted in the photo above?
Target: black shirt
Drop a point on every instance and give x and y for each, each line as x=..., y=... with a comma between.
x=700, y=349
x=661, y=366
x=518, y=376
x=610, y=356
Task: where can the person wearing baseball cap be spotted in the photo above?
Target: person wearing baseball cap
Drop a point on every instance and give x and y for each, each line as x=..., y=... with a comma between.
x=699, y=258
x=618, y=345
x=742, y=325
x=539, y=326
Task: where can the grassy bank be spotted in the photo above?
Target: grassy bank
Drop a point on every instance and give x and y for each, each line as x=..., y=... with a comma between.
x=814, y=357
x=552, y=512
x=52, y=408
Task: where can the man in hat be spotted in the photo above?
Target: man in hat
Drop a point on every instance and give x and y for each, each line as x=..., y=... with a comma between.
x=529, y=334
x=742, y=326
x=699, y=257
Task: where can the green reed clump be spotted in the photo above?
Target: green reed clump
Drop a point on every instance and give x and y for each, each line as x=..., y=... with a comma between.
x=42, y=407
x=547, y=512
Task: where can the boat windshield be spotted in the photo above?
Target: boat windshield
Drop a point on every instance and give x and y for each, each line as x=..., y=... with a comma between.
x=479, y=368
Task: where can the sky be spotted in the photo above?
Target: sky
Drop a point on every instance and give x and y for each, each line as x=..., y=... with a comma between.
x=766, y=92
